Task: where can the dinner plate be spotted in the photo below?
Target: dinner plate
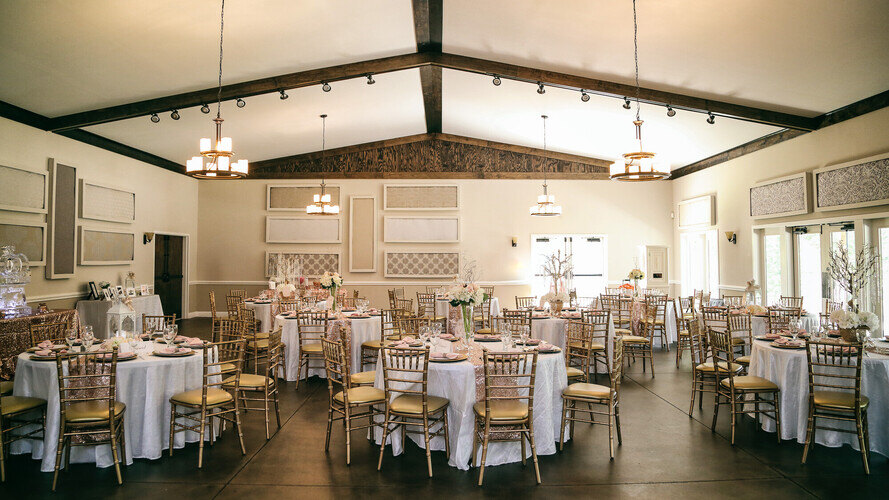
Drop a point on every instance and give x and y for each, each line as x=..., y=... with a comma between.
x=35, y=357
x=550, y=351
x=459, y=358
x=454, y=339
x=763, y=337
x=530, y=342
x=491, y=339
x=122, y=357
x=173, y=355
x=162, y=341
x=786, y=346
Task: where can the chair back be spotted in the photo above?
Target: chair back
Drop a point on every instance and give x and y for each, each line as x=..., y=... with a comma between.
x=740, y=327
x=600, y=320
x=525, y=302
x=489, y=290
x=232, y=303
x=406, y=305
x=656, y=308
x=222, y=365
x=686, y=305
x=287, y=305
x=157, y=323
x=510, y=376
x=482, y=312
x=780, y=318
x=87, y=377
x=722, y=354
x=791, y=302
x=212, y=305
x=432, y=288
x=389, y=324
x=230, y=330
x=276, y=355
x=403, y=370
x=579, y=340
x=517, y=318
x=426, y=304
x=54, y=332
x=572, y=297
x=303, y=302
x=311, y=327
x=699, y=346
x=238, y=293
x=508, y=326
x=392, y=299
x=835, y=367
x=715, y=317
x=337, y=367
x=411, y=325
x=831, y=306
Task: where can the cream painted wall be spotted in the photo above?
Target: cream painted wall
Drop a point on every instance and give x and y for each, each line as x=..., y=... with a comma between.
x=232, y=228
x=165, y=202
x=860, y=137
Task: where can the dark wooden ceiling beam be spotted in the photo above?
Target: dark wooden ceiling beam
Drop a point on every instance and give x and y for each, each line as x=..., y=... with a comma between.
x=858, y=108
x=22, y=115
x=428, y=29
x=122, y=149
x=735, y=152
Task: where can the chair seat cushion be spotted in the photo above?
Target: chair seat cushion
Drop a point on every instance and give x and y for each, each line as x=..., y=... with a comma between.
x=651, y=321
x=371, y=344
x=248, y=380
x=635, y=339
x=623, y=331
x=6, y=387
x=362, y=378
x=738, y=341
x=485, y=331
x=593, y=347
x=503, y=409
x=743, y=360
x=92, y=411
x=574, y=372
x=708, y=366
x=314, y=348
x=215, y=396
x=262, y=335
x=478, y=318
x=224, y=367
x=258, y=344
x=750, y=383
x=413, y=404
x=362, y=395
x=583, y=390
x=838, y=400
x=17, y=404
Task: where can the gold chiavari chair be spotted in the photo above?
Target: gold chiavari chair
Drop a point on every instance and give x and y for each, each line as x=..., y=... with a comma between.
x=703, y=376
x=262, y=389
x=426, y=308
x=303, y=302
x=409, y=406
x=238, y=293
x=399, y=292
x=572, y=297
x=345, y=402
x=683, y=342
x=621, y=313
x=578, y=350
x=54, y=332
x=599, y=339
x=392, y=299
x=406, y=305
x=835, y=392
x=19, y=419
x=488, y=289
x=288, y=305
x=741, y=331
x=508, y=406
x=311, y=327
x=232, y=303
x=257, y=347
x=232, y=329
x=481, y=314
x=214, y=317
x=732, y=300
x=594, y=394
x=409, y=326
x=740, y=392
x=432, y=288
x=611, y=291
x=525, y=302
x=655, y=313
x=350, y=302
x=791, y=302
x=388, y=331
x=640, y=346
x=518, y=319
x=157, y=323
x=780, y=318
x=687, y=307
x=221, y=370
x=705, y=299
x=698, y=300
x=88, y=407
x=715, y=317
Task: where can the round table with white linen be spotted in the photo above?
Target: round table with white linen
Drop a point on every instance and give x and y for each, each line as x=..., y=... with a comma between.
x=362, y=330
x=554, y=331
x=262, y=310
x=144, y=385
x=759, y=324
x=788, y=369
x=457, y=381
x=95, y=312
x=442, y=307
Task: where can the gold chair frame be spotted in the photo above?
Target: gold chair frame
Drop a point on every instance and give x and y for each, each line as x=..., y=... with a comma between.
x=311, y=327
x=525, y=302
x=265, y=385
x=54, y=332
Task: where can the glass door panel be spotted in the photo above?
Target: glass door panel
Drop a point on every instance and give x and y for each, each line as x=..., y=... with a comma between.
x=808, y=260
x=773, y=278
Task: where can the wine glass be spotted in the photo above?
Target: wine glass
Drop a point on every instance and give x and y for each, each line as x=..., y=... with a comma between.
x=71, y=337
x=425, y=332
x=793, y=325
x=524, y=334
x=88, y=338
x=169, y=335
x=436, y=329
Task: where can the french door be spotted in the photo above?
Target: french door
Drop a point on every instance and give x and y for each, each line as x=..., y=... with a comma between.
x=880, y=242
x=587, y=254
x=812, y=247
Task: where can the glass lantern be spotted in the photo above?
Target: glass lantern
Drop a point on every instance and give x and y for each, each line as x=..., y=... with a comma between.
x=121, y=320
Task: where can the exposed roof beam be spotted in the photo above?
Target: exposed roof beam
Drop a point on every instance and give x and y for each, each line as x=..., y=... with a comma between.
x=744, y=149
x=22, y=115
x=123, y=149
x=428, y=29
x=858, y=108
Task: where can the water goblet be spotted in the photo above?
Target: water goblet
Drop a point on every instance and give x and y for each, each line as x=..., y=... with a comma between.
x=169, y=335
x=88, y=339
x=71, y=337
x=793, y=326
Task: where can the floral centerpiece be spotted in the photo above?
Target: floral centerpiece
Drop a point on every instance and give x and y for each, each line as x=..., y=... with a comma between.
x=754, y=309
x=465, y=296
x=332, y=283
x=636, y=274
x=851, y=323
x=555, y=300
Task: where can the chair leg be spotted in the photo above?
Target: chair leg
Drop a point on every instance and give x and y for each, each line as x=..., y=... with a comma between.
x=348, y=422
x=715, y=410
x=533, y=450
x=238, y=427
x=776, y=400
x=114, y=456
x=329, y=424
x=481, y=470
x=383, y=443
x=428, y=443
x=562, y=429
x=862, y=444
x=172, y=424
x=620, y=440
x=2, y=459
x=201, y=437
x=61, y=445
x=610, y=432
x=694, y=392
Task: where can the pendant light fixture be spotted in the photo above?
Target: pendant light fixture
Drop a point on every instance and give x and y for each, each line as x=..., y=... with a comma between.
x=546, y=203
x=219, y=154
x=321, y=202
x=638, y=165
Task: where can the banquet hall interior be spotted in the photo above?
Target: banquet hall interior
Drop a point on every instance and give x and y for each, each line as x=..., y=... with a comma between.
x=402, y=248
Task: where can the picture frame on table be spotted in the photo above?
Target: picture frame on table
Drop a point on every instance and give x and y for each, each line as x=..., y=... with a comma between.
x=143, y=290
x=108, y=293
x=119, y=292
x=94, y=291
x=131, y=292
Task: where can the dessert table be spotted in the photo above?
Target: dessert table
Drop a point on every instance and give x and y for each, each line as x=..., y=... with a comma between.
x=787, y=368
x=262, y=310
x=462, y=385
x=144, y=385
x=94, y=312
x=361, y=330
x=15, y=335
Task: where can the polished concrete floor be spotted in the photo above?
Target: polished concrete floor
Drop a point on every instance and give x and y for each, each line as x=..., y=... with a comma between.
x=665, y=454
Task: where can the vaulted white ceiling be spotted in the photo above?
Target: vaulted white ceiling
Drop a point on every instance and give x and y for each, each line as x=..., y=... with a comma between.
x=801, y=56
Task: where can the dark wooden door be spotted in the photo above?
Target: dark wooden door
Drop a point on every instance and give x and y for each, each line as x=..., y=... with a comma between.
x=168, y=269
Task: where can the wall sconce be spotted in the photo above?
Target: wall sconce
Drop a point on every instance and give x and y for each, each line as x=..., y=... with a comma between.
x=731, y=237
x=515, y=242
x=147, y=237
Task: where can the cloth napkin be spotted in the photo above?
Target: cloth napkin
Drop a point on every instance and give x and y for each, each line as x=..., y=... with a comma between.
x=545, y=346
x=446, y=336
x=46, y=344
x=445, y=355
x=194, y=341
x=773, y=336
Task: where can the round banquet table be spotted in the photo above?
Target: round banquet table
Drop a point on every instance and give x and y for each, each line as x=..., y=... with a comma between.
x=458, y=383
x=787, y=368
x=554, y=331
x=144, y=385
x=759, y=324
x=362, y=330
x=261, y=311
x=95, y=312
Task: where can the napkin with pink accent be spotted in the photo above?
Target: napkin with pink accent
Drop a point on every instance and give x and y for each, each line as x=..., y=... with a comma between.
x=571, y=315
x=174, y=350
x=545, y=346
x=46, y=344
x=784, y=341
x=444, y=355
x=772, y=336
x=43, y=352
x=194, y=341
x=447, y=336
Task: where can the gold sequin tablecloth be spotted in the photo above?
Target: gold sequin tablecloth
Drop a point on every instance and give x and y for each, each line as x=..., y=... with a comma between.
x=15, y=337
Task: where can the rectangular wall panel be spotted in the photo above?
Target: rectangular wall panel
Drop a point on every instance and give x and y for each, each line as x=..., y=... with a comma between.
x=312, y=264
x=61, y=230
x=100, y=202
x=421, y=197
x=854, y=184
x=422, y=229
x=101, y=247
x=290, y=198
x=422, y=264
x=22, y=190
x=29, y=239
x=696, y=212
x=310, y=229
x=362, y=234
x=781, y=197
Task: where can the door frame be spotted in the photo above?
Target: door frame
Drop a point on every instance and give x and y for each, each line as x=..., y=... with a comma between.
x=186, y=313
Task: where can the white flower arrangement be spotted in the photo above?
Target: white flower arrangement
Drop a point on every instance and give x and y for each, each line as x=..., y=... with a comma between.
x=636, y=274
x=286, y=289
x=852, y=320
x=755, y=309
x=555, y=297
x=331, y=280
x=465, y=293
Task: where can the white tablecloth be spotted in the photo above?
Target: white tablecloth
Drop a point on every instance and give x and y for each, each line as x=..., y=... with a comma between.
x=263, y=312
x=94, y=312
x=363, y=329
x=456, y=382
x=759, y=325
x=554, y=331
x=787, y=368
x=144, y=385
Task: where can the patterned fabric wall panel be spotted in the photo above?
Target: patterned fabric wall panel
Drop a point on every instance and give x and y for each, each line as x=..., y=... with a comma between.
x=99, y=202
x=422, y=264
x=413, y=197
x=780, y=197
x=106, y=248
x=295, y=198
x=29, y=239
x=22, y=190
x=312, y=264
x=855, y=184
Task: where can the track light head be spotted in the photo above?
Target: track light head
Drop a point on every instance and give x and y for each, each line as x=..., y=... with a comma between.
x=710, y=118
x=627, y=103
x=174, y=114
x=370, y=79
x=496, y=81
x=670, y=111
x=325, y=86
x=540, y=89
x=205, y=109
x=284, y=95
x=584, y=96
x=155, y=118
x=240, y=103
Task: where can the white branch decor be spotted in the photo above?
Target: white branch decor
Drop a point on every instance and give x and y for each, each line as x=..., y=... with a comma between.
x=559, y=269
x=853, y=271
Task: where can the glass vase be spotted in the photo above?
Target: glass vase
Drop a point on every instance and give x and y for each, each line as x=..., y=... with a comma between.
x=466, y=310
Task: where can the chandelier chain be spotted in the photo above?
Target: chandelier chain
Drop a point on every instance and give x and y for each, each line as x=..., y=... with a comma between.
x=636, y=55
x=221, y=31
x=544, y=151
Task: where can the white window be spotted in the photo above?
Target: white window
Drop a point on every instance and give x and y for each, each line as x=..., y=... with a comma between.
x=587, y=253
x=699, y=261
x=773, y=276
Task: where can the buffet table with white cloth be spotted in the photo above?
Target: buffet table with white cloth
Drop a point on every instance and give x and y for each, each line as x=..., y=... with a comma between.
x=262, y=310
x=788, y=369
x=144, y=385
x=95, y=312
x=362, y=330
x=457, y=382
